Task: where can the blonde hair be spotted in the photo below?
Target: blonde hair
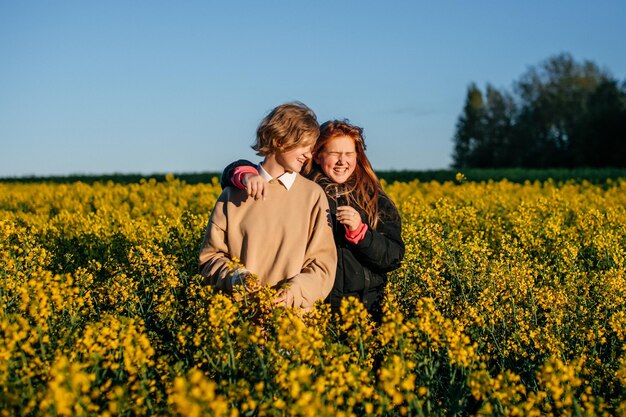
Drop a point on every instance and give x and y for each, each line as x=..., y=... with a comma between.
x=363, y=187
x=286, y=127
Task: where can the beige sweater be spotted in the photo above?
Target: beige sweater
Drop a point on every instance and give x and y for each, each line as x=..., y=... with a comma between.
x=284, y=239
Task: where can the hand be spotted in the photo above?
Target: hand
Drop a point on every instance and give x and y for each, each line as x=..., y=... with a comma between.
x=255, y=185
x=239, y=277
x=284, y=298
x=349, y=216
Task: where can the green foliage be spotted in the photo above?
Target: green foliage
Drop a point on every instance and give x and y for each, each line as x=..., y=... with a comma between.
x=189, y=178
x=564, y=114
x=517, y=175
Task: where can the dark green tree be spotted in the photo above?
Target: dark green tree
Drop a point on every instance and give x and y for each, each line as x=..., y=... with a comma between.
x=564, y=114
x=484, y=130
x=469, y=133
x=498, y=127
x=553, y=100
x=601, y=138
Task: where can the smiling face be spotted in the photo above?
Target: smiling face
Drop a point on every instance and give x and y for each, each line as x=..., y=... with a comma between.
x=293, y=160
x=338, y=158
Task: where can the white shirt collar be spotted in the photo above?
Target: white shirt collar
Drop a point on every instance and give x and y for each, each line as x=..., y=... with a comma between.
x=287, y=179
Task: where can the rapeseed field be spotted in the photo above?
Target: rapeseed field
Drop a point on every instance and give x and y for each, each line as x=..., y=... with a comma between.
x=511, y=301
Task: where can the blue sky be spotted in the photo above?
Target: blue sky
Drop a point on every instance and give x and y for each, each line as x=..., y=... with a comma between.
x=92, y=87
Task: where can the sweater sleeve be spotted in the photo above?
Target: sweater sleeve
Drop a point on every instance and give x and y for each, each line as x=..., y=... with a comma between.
x=239, y=173
x=355, y=236
x=227, y=174
x=317, y=277
x=383, y=249
x=214, y=261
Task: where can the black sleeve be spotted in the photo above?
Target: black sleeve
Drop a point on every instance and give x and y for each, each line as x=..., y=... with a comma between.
x=382, y=249
x=228, y=171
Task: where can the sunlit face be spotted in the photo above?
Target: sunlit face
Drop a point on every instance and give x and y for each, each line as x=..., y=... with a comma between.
x=294, y=159
x=338, y=159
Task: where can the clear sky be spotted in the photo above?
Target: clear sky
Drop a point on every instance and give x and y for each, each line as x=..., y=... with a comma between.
x=94, y=87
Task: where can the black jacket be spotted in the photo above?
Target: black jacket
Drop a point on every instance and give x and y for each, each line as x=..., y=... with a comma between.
x=361, y=268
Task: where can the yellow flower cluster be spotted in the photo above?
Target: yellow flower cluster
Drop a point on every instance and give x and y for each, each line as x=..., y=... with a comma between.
x=511, y=301
x=193, y=395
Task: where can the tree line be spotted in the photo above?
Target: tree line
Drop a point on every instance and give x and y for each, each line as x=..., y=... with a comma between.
x=561, y=114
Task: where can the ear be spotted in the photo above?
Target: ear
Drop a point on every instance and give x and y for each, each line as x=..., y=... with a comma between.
x=316, y=158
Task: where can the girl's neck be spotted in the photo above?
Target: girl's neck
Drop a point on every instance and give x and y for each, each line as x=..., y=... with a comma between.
x=272, y=166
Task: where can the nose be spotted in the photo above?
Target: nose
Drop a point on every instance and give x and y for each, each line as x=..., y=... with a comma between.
x=308, y=155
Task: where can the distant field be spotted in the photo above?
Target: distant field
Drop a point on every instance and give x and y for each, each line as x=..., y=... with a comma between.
x=517, y=175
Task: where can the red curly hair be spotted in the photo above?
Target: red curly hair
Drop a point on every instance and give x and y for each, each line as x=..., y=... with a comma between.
x=363, y=187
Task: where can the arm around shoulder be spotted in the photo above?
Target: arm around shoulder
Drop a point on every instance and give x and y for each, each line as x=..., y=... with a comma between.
x=227, y=174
